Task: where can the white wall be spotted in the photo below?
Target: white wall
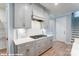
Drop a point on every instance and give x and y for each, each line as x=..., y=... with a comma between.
x=68, y=27
x=2, y=14
x=2, y=21
x=36, y=29
x=3, y=44
x=3, y=28
x=52, y=27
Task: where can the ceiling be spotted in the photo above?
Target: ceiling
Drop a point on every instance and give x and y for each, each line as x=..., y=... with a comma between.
x=61, y=8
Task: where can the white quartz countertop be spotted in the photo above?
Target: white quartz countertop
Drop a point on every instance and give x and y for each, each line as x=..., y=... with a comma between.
x=27, y=39
x=23, y=40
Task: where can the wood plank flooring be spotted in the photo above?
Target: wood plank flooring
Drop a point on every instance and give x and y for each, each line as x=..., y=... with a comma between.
x=58, y=49
x=3, y=52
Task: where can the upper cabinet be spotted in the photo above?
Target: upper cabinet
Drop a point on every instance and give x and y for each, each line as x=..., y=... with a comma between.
x=22, y=15
x=39, y=12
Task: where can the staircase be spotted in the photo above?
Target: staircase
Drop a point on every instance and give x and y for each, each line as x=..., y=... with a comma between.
x=75, y=33
x=75, y=28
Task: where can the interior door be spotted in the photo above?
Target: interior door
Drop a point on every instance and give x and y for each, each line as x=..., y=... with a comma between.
x=61, y=29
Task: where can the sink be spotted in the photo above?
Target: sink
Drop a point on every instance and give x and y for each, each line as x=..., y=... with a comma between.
x=38, y=36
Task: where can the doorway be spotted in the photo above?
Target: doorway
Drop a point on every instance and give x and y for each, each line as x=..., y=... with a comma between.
x=61, y=29
x=3, y=30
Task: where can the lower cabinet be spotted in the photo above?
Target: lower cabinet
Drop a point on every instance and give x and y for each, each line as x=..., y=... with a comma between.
x=26, y=49
x=34, y=48
x=50, y=41
x=39, y=46
x=42, y=45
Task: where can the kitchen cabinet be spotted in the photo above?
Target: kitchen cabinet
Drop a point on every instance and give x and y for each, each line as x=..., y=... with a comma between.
x=40, y=12
x=37, y=10
x=26, y=49
x=42, y=45
x=50, y=41
x=45, y=13
x=22, y=15
x=34, y=48
x=39, y=46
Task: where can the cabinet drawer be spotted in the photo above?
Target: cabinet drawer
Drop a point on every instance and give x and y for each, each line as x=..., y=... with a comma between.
x=26, y=49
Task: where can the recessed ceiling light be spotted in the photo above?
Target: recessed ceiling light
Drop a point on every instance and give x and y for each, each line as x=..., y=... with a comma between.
x=55, y=4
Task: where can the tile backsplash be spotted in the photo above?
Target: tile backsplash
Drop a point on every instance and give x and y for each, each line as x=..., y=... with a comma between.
x=23, y=33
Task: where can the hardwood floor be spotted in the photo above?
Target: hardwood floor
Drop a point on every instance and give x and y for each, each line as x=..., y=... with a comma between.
x=3, y=52
x=58, y=49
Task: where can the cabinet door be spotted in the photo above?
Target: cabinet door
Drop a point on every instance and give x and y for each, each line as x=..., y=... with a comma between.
x=29, y=50
x=38, y=11
x=37, y=47
x=28, y=15
x=26, y=49
x=40, y=46
x=22, y=15
x=19, y=15
x=43, y=45
x=50, y=41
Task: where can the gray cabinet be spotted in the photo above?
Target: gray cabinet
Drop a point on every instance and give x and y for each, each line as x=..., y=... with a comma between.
x=39, y=46
x=39, y=11
x=50, y=41
x=42, y=45
x=26, y=49
x=34, y=48
x=22, y=15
